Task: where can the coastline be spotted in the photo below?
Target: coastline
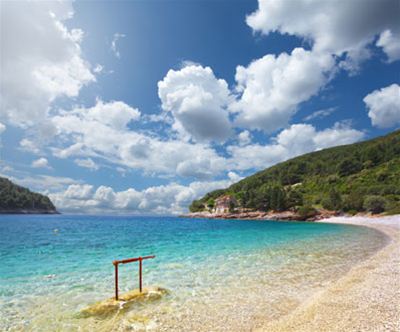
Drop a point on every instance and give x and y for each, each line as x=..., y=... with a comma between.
x=261, y=215
x=367, y=298
x=28, y=211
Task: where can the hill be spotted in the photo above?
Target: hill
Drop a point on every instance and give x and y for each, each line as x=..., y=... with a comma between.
x=16, y=199
x=352, y=178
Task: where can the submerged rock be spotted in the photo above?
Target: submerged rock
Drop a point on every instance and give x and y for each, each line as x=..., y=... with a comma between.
x=110, y=306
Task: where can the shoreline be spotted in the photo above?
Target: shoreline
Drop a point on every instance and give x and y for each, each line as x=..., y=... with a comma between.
x=28, y=212
x=261, y=215
x=367, y=298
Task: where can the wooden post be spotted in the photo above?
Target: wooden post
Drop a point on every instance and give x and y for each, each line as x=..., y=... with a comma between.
x=140, y=274
x=116, y=280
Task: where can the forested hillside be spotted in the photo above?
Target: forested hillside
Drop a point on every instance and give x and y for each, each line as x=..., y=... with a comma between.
x=352, y=178
x=16, y=199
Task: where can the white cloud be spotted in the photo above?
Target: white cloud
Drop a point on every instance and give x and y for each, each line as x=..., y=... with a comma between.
x=30, y=146
x=94, y=133
x=6, y=169
x=165, y=199
x=272, y=87
x=244, y=137
x=78, y=191
x=384, y=106
x=323, y=113
x=42, y=183
x=98, y=68
x=390, y=42
x=115, y=114
x=333, y=27
x=339, y=134
x=2, y=129
x=197, y=100
x=291, y=142
x=41, y=59
x=117, y=36
x=41, y=163
x=87, y=163
x=90, y=135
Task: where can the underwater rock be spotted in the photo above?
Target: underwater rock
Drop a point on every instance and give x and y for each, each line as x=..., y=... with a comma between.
x=125, y=301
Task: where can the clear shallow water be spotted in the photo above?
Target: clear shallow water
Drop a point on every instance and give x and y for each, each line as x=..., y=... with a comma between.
x=223, y=275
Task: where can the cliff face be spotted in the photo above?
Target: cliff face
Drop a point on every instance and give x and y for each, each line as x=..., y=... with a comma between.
x=15, y=199
x=361, y=177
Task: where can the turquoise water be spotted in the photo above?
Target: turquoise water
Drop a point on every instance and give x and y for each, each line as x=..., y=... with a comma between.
x=222, y=274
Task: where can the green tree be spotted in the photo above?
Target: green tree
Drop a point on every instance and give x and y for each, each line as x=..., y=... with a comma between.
x=306, y=212
x=196, y=206
x=277, y=198
x=375, y=204
x=349, y=166
x=211, y=203
x=333, y=201
x=353, y=201
x=294, y=198
x=232, y=207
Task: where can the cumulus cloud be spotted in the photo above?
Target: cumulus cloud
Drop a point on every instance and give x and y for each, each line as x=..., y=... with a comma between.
x=78, y=191
x=41, y=59
x=165, y=199
x=390, y=42
x=384, y=106
x=115, y=114
x=87, y=163
x=40, y=163
x=244, y=137
x=291, y=142
x=332, y=27
x=198, y=101
x=272, y=87
x=102, y=132
x=117, y=36
x=340, y=134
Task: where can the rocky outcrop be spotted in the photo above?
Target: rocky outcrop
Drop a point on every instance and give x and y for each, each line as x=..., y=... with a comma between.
x=111, y=306
x=260, y=215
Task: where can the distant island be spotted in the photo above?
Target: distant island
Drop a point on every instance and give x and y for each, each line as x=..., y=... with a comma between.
x=360, y=177
x=15, y=199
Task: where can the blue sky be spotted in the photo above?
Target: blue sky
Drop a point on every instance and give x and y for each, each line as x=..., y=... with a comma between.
x=143, y=106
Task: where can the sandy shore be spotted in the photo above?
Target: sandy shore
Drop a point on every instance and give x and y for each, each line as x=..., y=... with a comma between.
x=365, y=299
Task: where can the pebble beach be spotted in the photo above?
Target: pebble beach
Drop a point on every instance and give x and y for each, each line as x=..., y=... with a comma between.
x=367, y=298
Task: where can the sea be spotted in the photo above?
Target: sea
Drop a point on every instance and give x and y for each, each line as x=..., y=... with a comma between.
x=221, y=275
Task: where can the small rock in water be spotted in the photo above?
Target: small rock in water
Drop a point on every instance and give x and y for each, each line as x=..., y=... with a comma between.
x=110, y=306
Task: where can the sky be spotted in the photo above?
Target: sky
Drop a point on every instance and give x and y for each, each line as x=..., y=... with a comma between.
x=139, y=107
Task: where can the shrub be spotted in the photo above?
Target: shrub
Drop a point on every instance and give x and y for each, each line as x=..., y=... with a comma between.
x=375, y=204
x=196, y=206
x=349, y=166
x=211, y=203
x=354, y=201
x=306, y=212
x=352, y=212
x=333, y=201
